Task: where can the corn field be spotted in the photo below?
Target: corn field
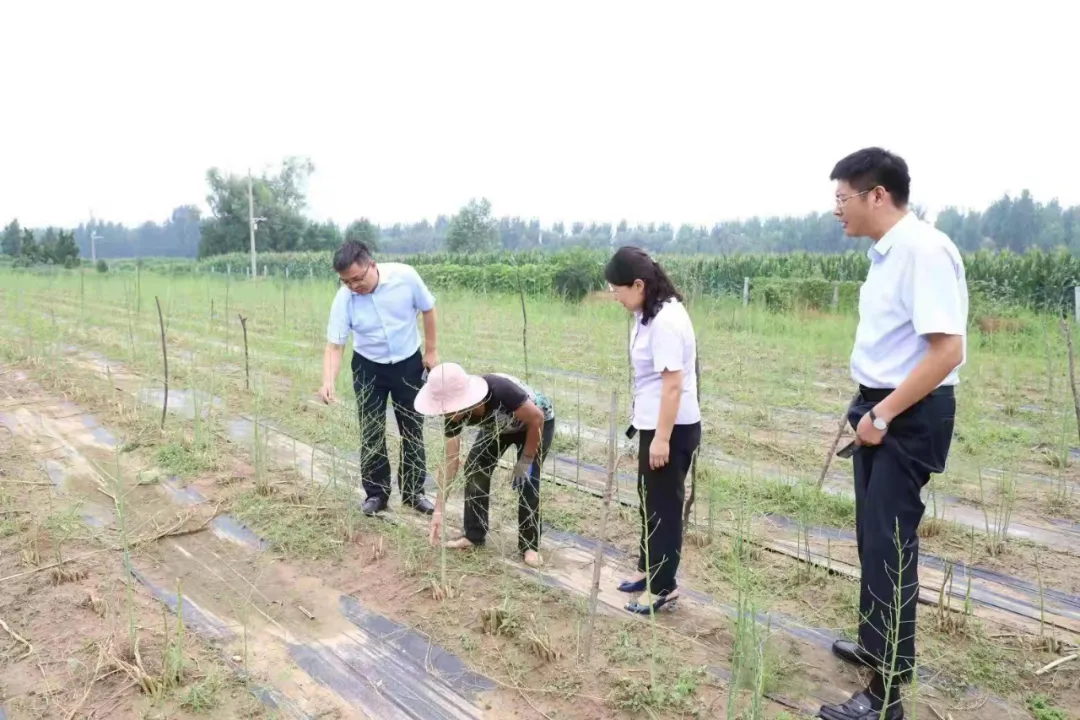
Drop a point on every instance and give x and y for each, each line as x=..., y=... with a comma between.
x=1035, y=279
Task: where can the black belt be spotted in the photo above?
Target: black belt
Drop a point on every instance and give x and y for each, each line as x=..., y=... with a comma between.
x=876, y=395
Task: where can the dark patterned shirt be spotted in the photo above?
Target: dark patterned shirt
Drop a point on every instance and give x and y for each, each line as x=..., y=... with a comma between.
x=506, y=394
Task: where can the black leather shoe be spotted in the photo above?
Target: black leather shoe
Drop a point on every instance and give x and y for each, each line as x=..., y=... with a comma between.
x=853, y=653
x=858, y=707
x=420, y=504
x=373, y=504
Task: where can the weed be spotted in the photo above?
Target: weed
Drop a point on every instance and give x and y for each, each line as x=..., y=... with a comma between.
x=184, y=459
x=671, y=694
x=203, y=695
x=305, y=532
x=1043, y=708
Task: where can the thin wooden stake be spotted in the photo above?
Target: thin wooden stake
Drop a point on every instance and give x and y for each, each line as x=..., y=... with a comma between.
x=598, y=555
x=693, y=461
x=524, y=326
x=1072, y=371
x=832, y=449
x=165, y=360
x=247, y=366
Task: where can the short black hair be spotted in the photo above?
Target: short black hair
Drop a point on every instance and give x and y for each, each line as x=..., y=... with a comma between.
x=351, y=252
x=867, y=168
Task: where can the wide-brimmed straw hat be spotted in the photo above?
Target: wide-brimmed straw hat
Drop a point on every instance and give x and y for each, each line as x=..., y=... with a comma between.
x=449, y=389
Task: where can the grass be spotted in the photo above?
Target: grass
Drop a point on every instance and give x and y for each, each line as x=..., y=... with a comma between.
x=184, y=459
x=774, y=384
x=1043, y=708
x=301, y=532
x=203, y=696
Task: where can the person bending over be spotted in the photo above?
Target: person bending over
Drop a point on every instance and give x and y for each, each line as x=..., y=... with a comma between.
x=666, y=418
x=507, y=412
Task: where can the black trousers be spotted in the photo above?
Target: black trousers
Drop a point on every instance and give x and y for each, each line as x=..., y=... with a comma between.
x=373, y=382
x=479, y=467
x=661, y=493
x=888, y=510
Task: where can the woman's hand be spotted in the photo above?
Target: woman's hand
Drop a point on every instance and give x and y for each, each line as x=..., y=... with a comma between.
x=435, y=529
x=659, y=452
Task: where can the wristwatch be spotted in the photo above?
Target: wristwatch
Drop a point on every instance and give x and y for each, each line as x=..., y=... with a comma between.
x=878, y=423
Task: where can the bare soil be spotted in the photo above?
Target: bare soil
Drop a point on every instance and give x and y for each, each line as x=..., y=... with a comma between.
x=265, y=596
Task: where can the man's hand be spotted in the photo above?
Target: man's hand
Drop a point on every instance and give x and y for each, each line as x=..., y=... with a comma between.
x=521, y=472
x=435, y=528
x=431, y=359
x=659, y=452
x=866, y=433
x=326, y=394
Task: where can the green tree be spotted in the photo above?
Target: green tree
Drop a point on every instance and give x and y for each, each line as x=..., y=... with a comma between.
x=31, y=251
x=322, y=236
x=473, y=229
x=11, y=239
x=363, y=230
x=48, y=245
x=65, y=252
x=279, y=199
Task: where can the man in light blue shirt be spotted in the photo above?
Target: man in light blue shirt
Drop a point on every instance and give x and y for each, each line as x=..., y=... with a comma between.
x=378, y=304
x=911, y=339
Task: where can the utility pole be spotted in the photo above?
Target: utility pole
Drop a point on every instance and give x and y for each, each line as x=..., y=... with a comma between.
x=251, y=226
x=93, y=236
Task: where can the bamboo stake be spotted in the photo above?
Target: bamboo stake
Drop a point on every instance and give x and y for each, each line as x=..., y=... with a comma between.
x=247, y=366
x=598, y=555
x=832, y=449
x=1065, y=328
x=165, y=360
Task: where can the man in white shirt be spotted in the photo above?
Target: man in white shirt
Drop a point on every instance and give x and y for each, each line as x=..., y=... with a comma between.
x=378, y=304
x=910, y=342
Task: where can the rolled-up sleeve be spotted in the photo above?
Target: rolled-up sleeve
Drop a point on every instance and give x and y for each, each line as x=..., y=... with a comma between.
x=422, y=297
x=337, y=328
x=934, y=285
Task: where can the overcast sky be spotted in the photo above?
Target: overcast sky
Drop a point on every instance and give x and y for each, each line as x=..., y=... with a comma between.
x=676, y=112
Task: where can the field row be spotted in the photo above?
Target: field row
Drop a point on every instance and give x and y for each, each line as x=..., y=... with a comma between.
x=281, y=389
x=988, y=443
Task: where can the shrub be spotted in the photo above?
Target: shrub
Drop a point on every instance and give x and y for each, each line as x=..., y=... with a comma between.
x=787, y=294
x=577, y=274
x=102, y=266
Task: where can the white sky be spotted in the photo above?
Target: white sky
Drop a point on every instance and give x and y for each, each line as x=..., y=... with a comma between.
x=585, y=110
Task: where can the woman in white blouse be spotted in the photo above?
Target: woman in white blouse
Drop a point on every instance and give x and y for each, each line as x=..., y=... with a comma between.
x=666, y=418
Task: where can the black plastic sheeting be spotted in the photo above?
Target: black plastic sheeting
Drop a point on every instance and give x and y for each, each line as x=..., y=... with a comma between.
x=389, y=670
x=1062, y=603
x=1059, y=602
x=820, y=637
x=214, y=629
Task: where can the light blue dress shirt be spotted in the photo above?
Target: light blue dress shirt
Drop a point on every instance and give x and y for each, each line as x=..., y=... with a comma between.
x=383, y=323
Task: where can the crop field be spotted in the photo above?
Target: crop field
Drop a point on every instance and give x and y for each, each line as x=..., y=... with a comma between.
x=188, y=542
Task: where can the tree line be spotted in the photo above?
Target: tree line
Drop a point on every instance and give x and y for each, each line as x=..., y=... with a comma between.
x=279, y=201
x=51, y=247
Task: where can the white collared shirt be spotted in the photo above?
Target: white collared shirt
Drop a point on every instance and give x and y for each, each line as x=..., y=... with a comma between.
x=383, y=322
x=666, y=343
x=915, y=286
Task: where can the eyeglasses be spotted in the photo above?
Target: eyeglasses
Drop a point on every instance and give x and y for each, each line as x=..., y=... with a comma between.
x=353, y=282
x=842, y=201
